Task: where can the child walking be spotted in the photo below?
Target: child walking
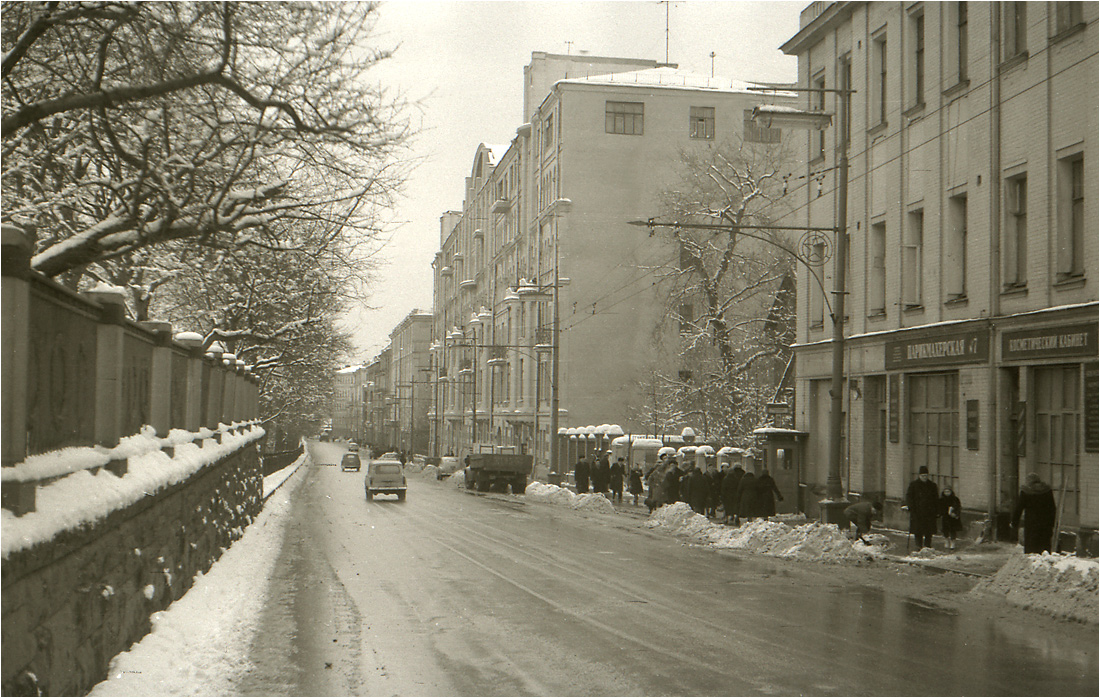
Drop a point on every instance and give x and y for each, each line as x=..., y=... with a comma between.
x=950, y=516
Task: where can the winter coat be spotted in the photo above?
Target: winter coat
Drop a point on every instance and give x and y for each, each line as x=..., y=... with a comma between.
x=860, y=514
x=671, y=487
x=729, y=490
x=746, y=496
x=715, y=498
x=617, y=473
x=950, y=515
x=581, y=472
x=766, y=492
x=1036, y=504
x=635, y=480
x=922, y=498
x=601, y=476
x=699, y=490
x=685, y=485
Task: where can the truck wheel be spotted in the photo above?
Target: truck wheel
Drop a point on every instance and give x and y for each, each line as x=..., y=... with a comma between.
x=400, y=496
x=519, y=485
x=483, y=483
x=370, y=496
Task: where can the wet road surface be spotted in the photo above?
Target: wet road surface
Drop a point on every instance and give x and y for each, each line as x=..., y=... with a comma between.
x=450, y=593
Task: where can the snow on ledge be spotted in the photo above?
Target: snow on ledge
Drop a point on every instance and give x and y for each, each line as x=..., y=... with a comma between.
x=81, y=498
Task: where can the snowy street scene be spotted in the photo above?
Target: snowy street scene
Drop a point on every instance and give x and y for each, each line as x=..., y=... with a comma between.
x=746, y=347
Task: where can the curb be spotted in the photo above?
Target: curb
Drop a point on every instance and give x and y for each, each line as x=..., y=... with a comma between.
x=304, y=460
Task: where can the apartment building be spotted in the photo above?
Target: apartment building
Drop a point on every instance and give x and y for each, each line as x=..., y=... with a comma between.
x=971, y=316
x=347, y=402
x=410, y=381
x=548, y=214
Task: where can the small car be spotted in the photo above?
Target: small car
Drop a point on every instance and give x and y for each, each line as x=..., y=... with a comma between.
x=448, y=465
x=385, y=477
x=353, y=447
x=350, y=461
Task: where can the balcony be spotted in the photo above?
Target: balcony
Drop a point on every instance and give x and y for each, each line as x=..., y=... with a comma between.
x=501, y=206
x=544, y=338
x=479, y=234
x=497, y=356
x=446, y=271
x=468, y=284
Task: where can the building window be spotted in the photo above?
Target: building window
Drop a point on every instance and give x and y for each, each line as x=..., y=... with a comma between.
x=625, y=118
x=701, y=122
x=933, y=425
x=1071, y=217
x=955, y=248
x=912, y=260
x=878, y=86
x=1014, y=245
x=548, y=133
x=755, y=133
x=687, y=317
x=817, y=101
x=962, y=40
x=876, y=291
x=916, y=23
x=1015, y=35
x=1068, y=16
x=1057, y=415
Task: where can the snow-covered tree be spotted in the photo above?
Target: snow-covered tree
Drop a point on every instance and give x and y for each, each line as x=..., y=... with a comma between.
x=730, y=287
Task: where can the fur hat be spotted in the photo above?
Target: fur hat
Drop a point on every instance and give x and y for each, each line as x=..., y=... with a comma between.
x=923, y=470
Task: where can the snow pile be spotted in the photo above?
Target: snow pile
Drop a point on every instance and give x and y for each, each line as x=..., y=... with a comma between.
x=82, y=498
x=458, y=479
x=431, y=472
x=200, y=644
x=808, y=541
x=590, y=501
x=276, y=479
x=1061, y=585
x=539, y=492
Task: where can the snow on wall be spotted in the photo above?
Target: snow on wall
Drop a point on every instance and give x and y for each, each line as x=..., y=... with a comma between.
x=83, y=497
x=1061, y=585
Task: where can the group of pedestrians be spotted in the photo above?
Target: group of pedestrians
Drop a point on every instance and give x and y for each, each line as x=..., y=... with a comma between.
x=606, y=478
x=740, y=495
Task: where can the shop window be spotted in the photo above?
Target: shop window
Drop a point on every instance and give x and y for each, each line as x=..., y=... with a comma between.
x=933, y=418
x=1057, y=416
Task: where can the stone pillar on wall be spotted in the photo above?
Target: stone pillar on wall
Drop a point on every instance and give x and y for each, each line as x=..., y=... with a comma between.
x=229, y=387
x=192, y=413
x=160, y=379
x=17, y=497
x=109, y=355
x=217, y=382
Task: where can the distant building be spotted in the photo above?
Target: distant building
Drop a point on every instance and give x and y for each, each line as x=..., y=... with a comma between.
x=411, y=385
x=602, y=144
x=972, y=293
x=347, y=403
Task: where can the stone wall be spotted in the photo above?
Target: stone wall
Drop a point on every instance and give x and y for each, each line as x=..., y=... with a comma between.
x=72, y=604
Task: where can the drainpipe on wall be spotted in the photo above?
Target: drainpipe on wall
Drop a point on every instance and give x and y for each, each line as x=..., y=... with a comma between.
x=995, y=255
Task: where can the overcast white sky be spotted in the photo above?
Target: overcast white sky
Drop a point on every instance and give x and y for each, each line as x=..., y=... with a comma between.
x=463, y=63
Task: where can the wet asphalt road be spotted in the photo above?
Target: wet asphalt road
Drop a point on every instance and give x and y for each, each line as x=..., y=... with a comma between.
x=451, y=593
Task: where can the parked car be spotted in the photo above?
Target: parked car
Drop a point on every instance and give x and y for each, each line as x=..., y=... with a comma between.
x=386, y=477
x=350, y=461
x=353, y=447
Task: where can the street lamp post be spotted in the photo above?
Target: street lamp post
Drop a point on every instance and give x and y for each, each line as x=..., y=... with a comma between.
x=832, y=507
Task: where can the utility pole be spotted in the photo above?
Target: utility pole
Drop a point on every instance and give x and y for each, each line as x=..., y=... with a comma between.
x=712, y=54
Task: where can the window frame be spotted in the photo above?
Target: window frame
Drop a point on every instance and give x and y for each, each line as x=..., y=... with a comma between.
x=1015, y=30
x=1014, y=242
x=1071, y=216
x=880, y=80
x=632, y=122
x=912, y=261
x=699, y=116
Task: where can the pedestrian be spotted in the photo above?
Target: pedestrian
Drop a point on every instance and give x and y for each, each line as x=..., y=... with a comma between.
x=950, y=516
x=922, y=500
x=654, y=485
x=729, y=493
x=714, y=489
x=698, y=490
x=766, y=493
x=617, y=470
x=746, y=497
x=685, y=482
x=635, y=483
x=581, y=472
x=861, y=514
x=1036, y=504
x=670, y=493
x=601, y=475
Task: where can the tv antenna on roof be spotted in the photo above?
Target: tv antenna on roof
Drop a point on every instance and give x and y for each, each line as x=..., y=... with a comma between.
x=568, y=47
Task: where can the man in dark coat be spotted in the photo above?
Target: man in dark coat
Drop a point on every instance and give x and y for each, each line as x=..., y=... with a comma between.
x=672, y=484
x=861, y=514
x=714, y=475
x=746, y=497
x=618, y=470
x=581, y=472
x=923, y=499
x=698, y=491
x=766, y=492
x=1036, y=503
x=601, y=475
x=729, y=493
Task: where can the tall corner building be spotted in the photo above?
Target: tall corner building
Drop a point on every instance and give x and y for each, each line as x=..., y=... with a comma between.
x=548, y=211
x=971, y=328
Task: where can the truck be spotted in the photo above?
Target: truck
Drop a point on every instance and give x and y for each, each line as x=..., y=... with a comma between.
x=501, y=469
